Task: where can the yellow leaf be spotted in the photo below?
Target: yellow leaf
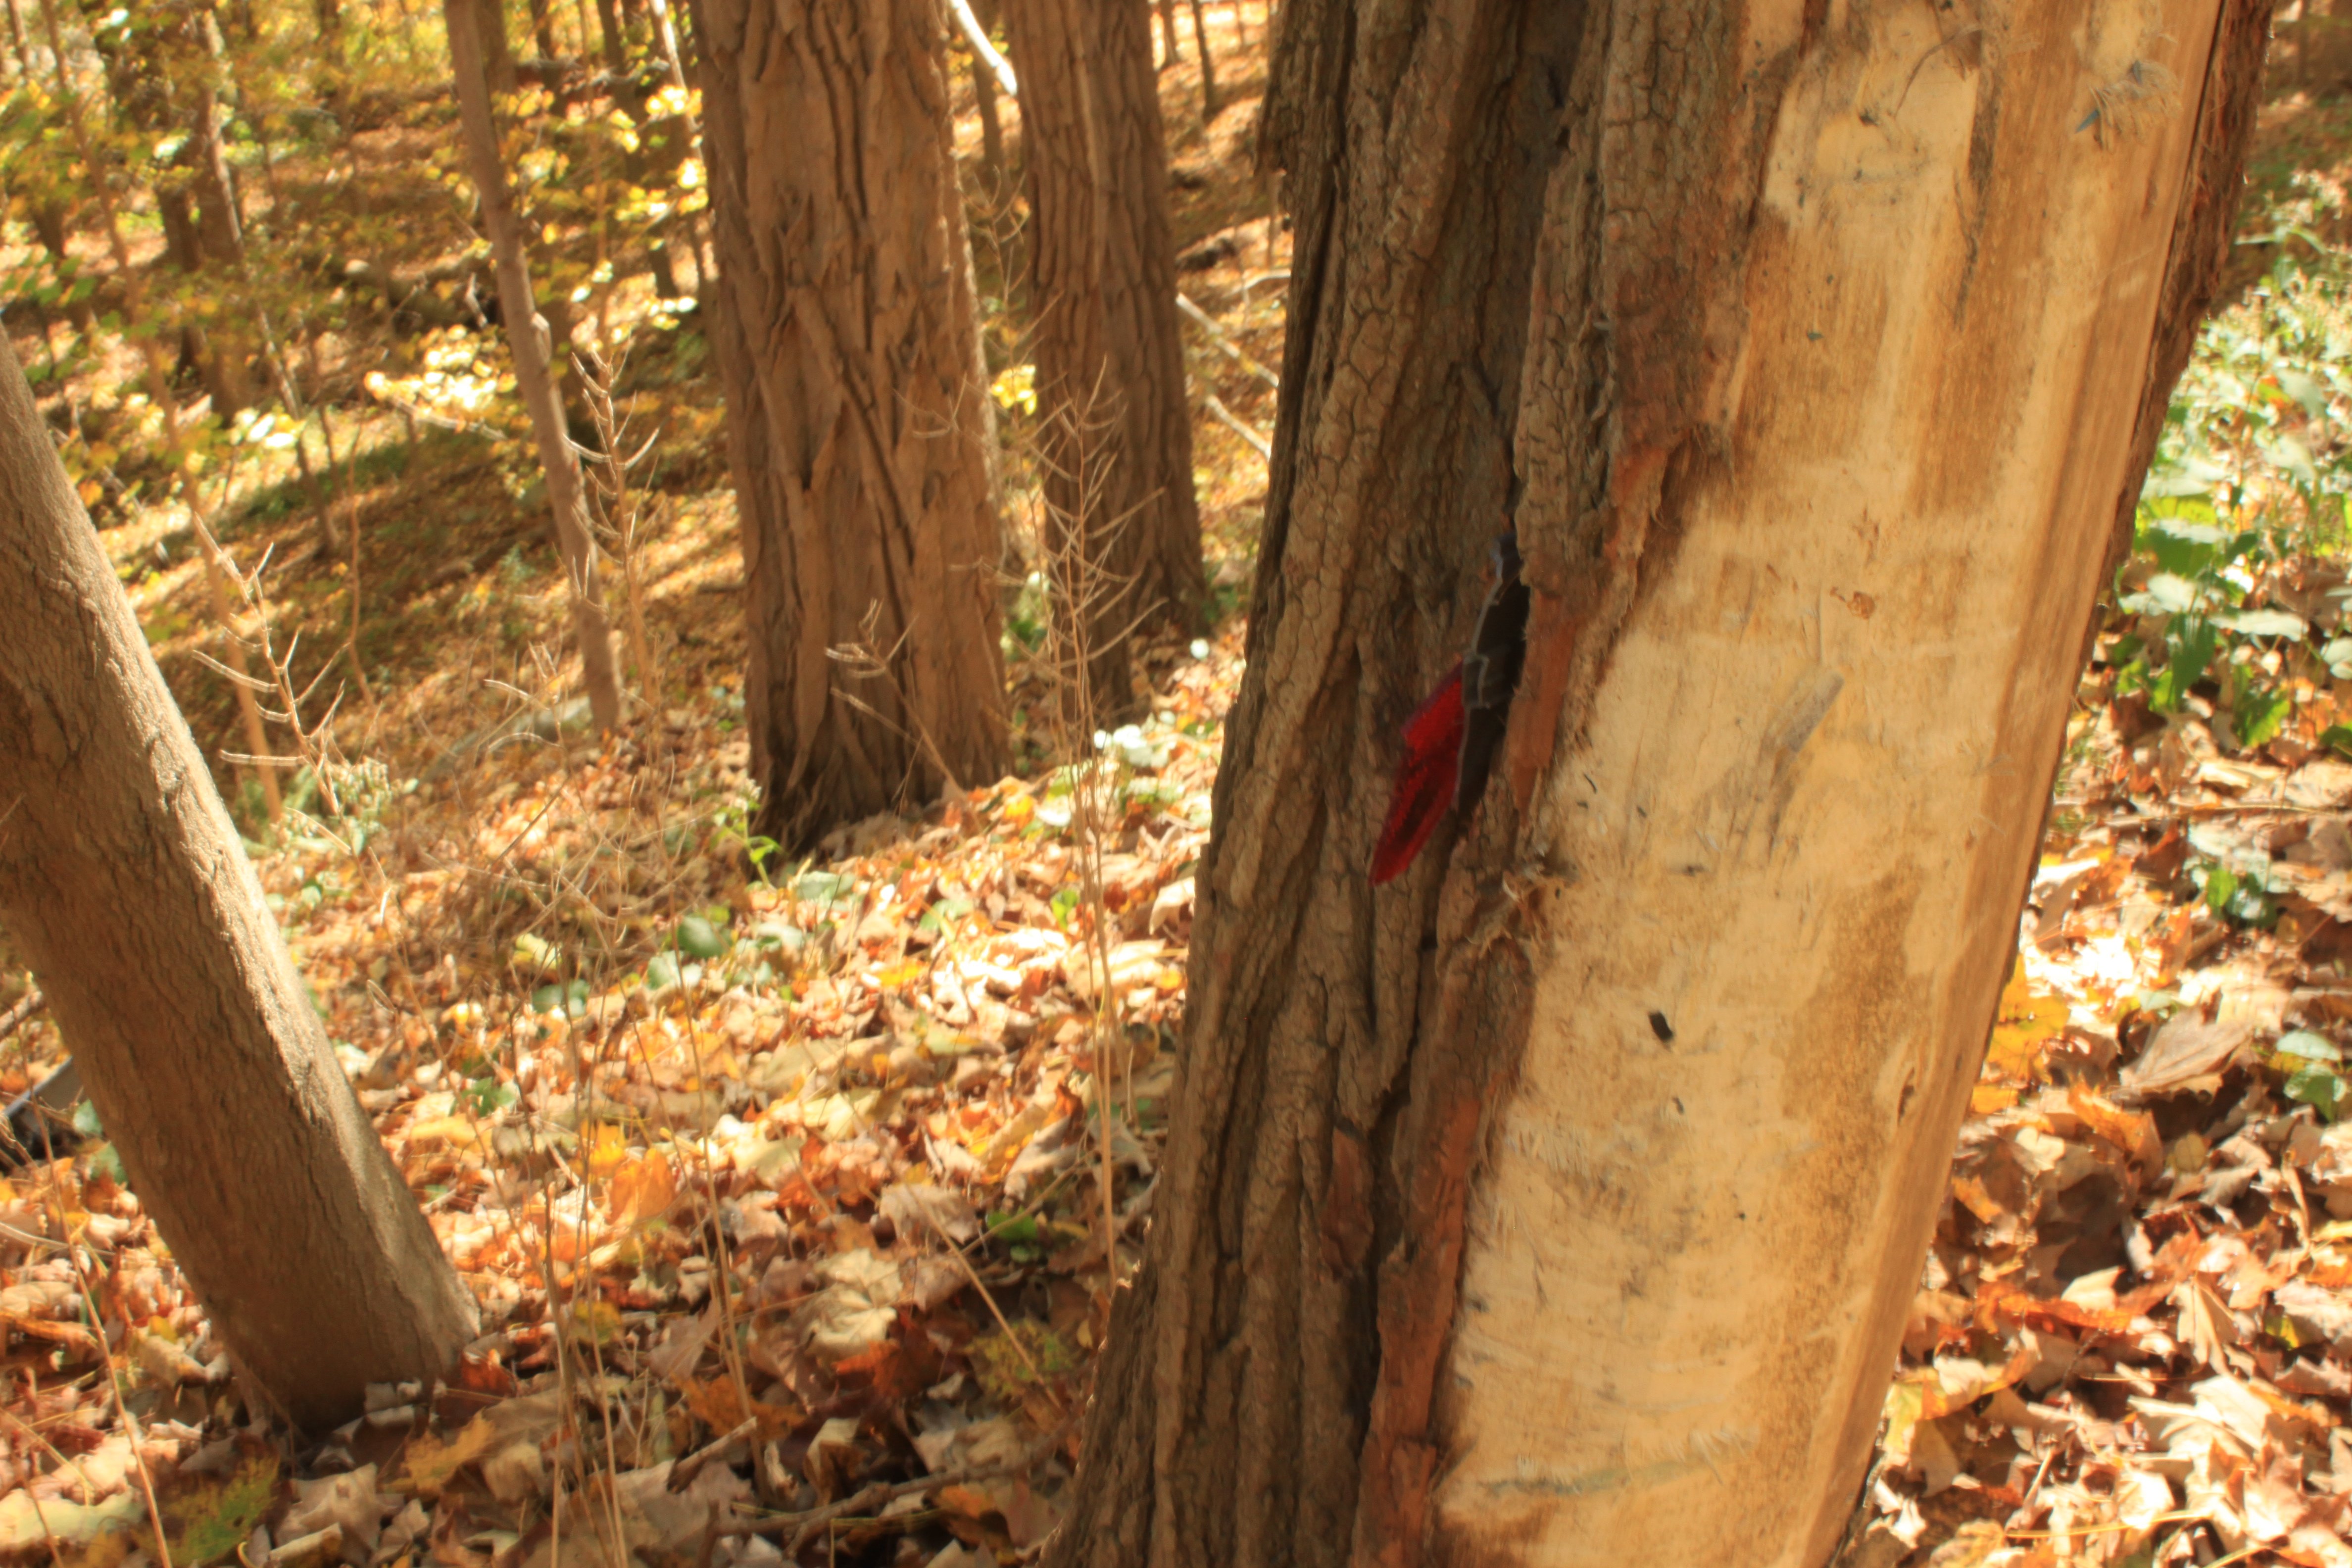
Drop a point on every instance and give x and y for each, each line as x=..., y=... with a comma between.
x=432, y=1460
x=906, y=971
x=1987, y=1097
x=642, y=1189
x=607, y=1146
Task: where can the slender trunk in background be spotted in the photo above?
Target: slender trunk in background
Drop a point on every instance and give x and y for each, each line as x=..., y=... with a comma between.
x=609, y=34
x=1169, y=53
x=1562, y=1200
x=992, y=124
x=543, y=28
x=159, y=392
x=51, y=227
x=1110, y=365
x=1209, y=101
x=528, y=337
x=857, y=414
x=489, y=31
x=122, y=881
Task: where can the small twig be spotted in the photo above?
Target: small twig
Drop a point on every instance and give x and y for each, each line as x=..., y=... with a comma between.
x=1231, y=421
x=982, y=49
x=880, y=1493
x=26, y=1007
x=683, y=1473
x=993, y=1309
x=1223, y=341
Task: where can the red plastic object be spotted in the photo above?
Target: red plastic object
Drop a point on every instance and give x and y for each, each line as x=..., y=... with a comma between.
x=1425, y=779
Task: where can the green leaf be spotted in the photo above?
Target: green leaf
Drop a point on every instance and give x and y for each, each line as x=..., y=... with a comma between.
x=2259, y=714
x=825, y=888
x=2317, y=1087
x=85, y=1120
x=698, y=937
x=2306, y=390
x=2264, y=624
x=1064, y=902
x=2310, y=1046
x=2338, y=736
x=1014, y=1230
x=2221, y=885
x=661, y=972
x=2167, y=593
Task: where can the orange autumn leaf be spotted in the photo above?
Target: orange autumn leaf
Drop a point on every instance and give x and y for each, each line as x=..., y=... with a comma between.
x=642, y=1190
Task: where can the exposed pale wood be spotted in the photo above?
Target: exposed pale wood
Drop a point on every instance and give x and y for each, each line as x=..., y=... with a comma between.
x=1812, y=350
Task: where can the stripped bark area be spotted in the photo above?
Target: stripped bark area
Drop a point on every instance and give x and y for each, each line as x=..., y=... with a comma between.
x=858, y=417
x=1110, y=365
x=122, y=882
x=1809, y=352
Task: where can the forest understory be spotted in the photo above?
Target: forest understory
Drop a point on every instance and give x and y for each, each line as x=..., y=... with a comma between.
x=785, y=1183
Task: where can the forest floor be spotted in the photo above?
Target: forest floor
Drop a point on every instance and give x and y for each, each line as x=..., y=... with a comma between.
x=778, y=1184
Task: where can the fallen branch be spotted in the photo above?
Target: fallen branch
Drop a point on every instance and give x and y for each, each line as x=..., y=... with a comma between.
x=882, y=1493
x=982, y=50
x=1224, y=339
x=1234, y=422
x=15, y=1017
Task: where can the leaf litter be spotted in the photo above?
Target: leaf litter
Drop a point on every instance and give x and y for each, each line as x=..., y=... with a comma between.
x=784, y=1215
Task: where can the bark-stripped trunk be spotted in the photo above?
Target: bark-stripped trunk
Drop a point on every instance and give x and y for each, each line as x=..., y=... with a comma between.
x=1116, y=435
x=122, y=879
x=857, y=414
x=1562, y=1201
x=529, y=336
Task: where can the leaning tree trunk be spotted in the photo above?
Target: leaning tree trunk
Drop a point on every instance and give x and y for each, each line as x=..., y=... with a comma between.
x=857, y=414
x=122, y=879
x=1562, y=1201
x=1117, y=440
x=527, y=336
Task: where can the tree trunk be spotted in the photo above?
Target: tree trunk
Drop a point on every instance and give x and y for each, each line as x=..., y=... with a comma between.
x=1210, y=103
x=1562, y=1200
x=857, y=413
x=1110, y=365
x=991, y=122
x=122, y=879
x=527, y=335
x=615, y=45
x=489, y=27
x=543, y=28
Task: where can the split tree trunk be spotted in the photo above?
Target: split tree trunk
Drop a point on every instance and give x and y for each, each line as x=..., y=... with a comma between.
x=1116, y=432
x=528, y=337
x=122, y=879
x=857, y=413
x=1562, y=1202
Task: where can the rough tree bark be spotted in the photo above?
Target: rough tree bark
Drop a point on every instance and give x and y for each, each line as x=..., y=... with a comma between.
x=122, y=880
x=857, y=414
x=1562, y=1201
x=528, y=337
x=1110, y=363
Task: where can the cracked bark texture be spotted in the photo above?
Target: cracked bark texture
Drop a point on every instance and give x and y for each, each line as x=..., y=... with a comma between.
x=857, y=414
x=1813, y=349
x=122, y=881
x=1116, y=430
